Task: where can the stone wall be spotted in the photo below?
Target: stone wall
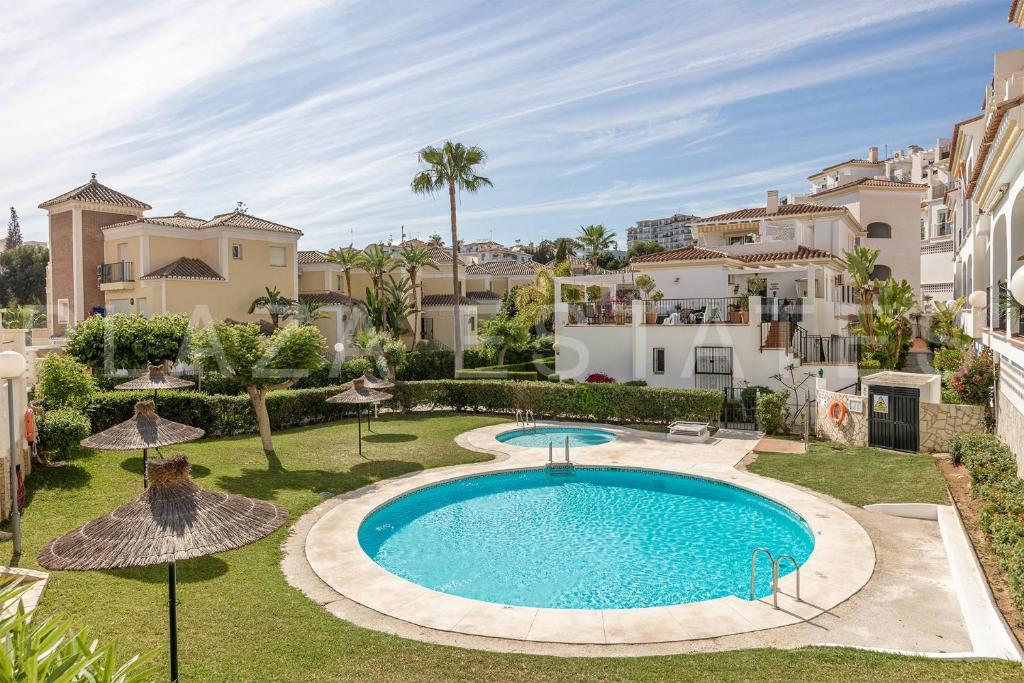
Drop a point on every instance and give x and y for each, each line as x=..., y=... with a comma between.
x=938, y=422
x=942, y=421
x=1010, y=427
x=853, y=431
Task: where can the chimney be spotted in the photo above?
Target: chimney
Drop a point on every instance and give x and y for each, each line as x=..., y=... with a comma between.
x=873, y=155
x=772, y=206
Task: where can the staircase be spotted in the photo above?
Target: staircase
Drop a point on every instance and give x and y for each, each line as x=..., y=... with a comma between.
x=779, y=335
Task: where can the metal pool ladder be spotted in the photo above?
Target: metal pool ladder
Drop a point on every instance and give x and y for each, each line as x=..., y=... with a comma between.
x=562, y=467
x=525, y=418
x=775, y=563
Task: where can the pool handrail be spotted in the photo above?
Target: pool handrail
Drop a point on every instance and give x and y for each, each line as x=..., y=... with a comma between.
x=753, y=575
x=796, y=565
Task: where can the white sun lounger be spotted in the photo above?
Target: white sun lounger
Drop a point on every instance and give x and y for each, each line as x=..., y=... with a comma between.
x=689, y=432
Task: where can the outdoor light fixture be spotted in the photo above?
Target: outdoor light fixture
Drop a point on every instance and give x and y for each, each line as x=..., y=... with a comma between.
x=12, y=366
x=1017, y=285
x=339, y=348
x=555, y=347
x=978, y=299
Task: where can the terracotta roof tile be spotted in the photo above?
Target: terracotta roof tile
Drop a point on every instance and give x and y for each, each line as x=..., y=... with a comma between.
x=184, y=269
x=329, y=298
x=441, y=255
x=509, y=268
x=872, y=182
x=96, y=193
x=996, y=120
x=858, y=162
x=483, y=296
x=239, y=219
x=178, y=220
x=691, y=253
x=312, y=256
x=762, y=212
x=694, y=253
x=801, y=254
x=430, y=300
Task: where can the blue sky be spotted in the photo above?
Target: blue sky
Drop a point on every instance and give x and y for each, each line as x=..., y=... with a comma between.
x=592, y=112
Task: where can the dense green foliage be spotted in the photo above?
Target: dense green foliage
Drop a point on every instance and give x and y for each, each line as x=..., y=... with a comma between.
x=973, y=382
x=60, y=430
x=23, y=275
x=772, y=411
x=63, y=382
x=127, y=341
x=493, y=373
x=994, y=481
x=429, y=361
x=948, y=360
x=47, y=651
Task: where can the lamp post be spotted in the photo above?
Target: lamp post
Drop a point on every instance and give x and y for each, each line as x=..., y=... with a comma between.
x=12, y=366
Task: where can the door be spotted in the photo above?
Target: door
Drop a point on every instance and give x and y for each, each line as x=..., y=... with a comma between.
x=713, y=367
x=118, y=306
x=893, y=418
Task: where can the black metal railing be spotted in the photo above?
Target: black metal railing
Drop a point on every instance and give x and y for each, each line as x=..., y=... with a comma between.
x=781, y=310
x=601, y=313
x=698, y=311
x=811, y=348
x=999, y=323
x=944, y=229
x=121, y=271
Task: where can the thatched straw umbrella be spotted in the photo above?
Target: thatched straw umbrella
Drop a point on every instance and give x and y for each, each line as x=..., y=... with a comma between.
x=173, y=519
x=358, y=394
x=143, y=431
x=156, y=378
x=371, y=381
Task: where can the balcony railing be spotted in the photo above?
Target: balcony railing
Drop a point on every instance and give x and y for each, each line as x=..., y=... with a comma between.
x=811, y=348
x=698, y=311
x=121, y=271
x=944, y=229
x=601, y=313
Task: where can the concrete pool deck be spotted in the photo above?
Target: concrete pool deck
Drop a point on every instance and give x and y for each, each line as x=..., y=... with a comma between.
x=904, y=587
x=842, y=562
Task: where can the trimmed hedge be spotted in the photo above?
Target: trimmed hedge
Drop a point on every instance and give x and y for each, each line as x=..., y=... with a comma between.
x=62, y=429
x=494, y=373
x=994, y=481
x=541, y=367
x=221, y=415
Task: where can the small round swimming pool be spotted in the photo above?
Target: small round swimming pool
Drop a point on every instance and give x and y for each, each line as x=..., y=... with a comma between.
x=542, y=436
x=602, y=538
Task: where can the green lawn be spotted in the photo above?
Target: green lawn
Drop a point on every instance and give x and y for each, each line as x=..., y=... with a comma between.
x=239, y=620
x=858, y=475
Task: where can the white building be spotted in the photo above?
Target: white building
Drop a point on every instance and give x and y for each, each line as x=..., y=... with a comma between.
x=485, y=251
x=708, y=330
x=673, y=232
x=987, y=212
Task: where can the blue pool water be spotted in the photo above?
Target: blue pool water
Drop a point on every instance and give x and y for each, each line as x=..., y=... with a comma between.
x=542, y=436
x=603, y=538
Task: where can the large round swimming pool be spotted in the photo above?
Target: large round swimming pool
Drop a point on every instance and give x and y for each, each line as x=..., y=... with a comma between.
x=601, y=538
x=540, y=437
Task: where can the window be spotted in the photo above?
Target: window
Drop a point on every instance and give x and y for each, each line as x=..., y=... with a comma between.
x=472, y=324
x=63, y=311
x=236, y=251
x=879, y=230
x=277, y=256
x=881, y=272
x=659, y=361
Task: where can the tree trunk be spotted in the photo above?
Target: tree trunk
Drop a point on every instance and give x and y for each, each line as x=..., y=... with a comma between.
x=455, y=280
x=416, y=315
x=501, y=355
x=258, y=396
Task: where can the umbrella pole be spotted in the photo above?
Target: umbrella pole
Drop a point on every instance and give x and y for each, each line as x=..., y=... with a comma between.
x=369, y=414
x=145, y=475
x=172, y=582
x=359, y=427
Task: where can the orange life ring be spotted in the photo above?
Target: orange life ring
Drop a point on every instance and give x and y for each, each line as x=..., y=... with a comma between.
x=838, y=416
x=30, y=425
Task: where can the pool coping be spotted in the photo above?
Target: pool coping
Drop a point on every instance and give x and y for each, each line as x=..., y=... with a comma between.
x=841, y=563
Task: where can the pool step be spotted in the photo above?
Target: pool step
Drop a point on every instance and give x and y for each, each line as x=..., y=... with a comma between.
x=560, y=469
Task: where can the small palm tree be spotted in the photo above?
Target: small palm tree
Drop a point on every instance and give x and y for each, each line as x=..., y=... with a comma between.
x=309, y=310
x=413, y=260
x=861, y=264
x=452, y=167
x=597, y=239
x=278, y=306
x=378, y=263
x=564, y=248
x=535, y=302
x=436, y=240
x=348, y=258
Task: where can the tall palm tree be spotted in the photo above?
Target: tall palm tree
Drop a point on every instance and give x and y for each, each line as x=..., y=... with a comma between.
x=414, y=259
x=451, y=167
x=378, y=263
x=348, y=258
x=436, y=240
x=596, y=238
x=861, y=264
x=278, y=306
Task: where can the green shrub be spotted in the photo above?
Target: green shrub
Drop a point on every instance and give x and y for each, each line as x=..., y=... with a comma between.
x=513, y=375
x=63, y=382
x=870, y=364
x=773, y=411
x=430, y=360
x=950, y=396
x=948, y=360
x=126, y=341
x=60, y=430
x=335, y=373
x=543, y=367
x=973, y=381
x=969, y=443
x=635, y=383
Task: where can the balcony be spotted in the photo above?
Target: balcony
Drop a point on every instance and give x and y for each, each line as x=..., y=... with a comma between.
x=698, y=311
x=118, y=275
x=944, y=229
x=601, y=313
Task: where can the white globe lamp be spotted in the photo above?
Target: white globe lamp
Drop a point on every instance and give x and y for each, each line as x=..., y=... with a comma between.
x=339, y=348
x=1017, y=285
x=555, y=347
x=978, y=299
x=12, y=364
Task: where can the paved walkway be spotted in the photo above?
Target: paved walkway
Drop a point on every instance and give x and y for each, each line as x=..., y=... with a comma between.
x=919, y=359
x=771, y=444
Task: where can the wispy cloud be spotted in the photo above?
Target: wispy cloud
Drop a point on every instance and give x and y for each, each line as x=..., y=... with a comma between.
x=312, y=112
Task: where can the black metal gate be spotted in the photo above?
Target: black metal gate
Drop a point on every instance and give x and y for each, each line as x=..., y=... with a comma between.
x=739, y=410
x=713, y=367
x=893, y=418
